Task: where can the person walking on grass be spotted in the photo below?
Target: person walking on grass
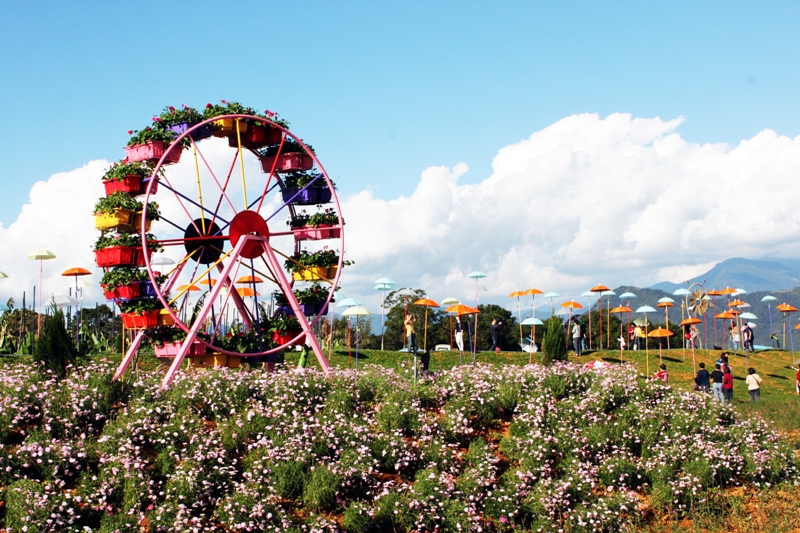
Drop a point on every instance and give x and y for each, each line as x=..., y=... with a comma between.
x=753, y=381
x=459, y=334
x=716, y=382
x=495, y=330
x=703, y=379
x=727, y=385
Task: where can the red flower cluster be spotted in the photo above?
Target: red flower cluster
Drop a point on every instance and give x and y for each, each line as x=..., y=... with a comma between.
x=130, y=132
x=269, y=113
x=224, y=102
x=156, y=119
x=209, y=105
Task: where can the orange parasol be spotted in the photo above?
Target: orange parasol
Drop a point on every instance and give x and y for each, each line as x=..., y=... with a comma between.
x=714, y=292
x=76, y=271
x=660, y=333
x=461, y=310
x=212, y=282
x=517, y=294
x=184, y=288
x=572, y=304
x=426, y=302
x=621, y=309
x=250, y=279
x=665, y=304
x=786, y=308
x=247, y=291
x=725, y=315
x=727, y=290
x=736, y=303
x=690, y=321
x=598, y=289
x=532, y=292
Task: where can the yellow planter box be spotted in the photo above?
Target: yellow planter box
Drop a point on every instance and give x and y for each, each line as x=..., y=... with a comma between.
x=137, y=221
x=165, y=319
x=332, y=272
x=225, y=126
x=210, y=360
x=120, y=218
x=311, y=274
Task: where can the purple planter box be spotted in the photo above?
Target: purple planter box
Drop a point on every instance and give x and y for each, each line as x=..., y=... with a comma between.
x=285, y=309
x=318, y=308
x=309, y=196
x=199, y=134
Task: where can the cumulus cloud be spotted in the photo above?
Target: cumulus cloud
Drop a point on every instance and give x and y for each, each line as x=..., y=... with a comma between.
x=619, y=200
x=587, y=200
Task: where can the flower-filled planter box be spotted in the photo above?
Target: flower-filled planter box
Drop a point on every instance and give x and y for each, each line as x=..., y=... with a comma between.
x=120, y=219
x=209, y=360
x=225, y=126
x=203, y=132
x=140, y=256
x=293, y=161
x=152, y=151
x=256, y=137
x=130, y=184
x=164, y=318
x=284, y=309
x=117, y=256
x=128, y=292
x=311, y=274
x=311, y=195
x=171, y=349
x=148, y=290
x=332, y=271
x=285, y=337
x=316, y=308
x=147, y=319
x=138, y=218
x=312, y=233
x=110, y=293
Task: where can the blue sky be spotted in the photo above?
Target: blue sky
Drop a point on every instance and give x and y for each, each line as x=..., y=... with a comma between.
x=384, y=90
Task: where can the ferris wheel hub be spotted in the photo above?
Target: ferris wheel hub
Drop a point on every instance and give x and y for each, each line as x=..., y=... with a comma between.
x=249, y=223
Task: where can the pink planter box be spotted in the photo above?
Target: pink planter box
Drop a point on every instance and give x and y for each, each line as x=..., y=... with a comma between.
x=170, y=349
x=311, y=233
x=152, y=151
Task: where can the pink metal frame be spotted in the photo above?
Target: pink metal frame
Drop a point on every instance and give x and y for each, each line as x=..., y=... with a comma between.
x=229, y=271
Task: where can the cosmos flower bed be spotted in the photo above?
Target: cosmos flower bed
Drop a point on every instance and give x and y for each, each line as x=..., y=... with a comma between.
x=474, y=449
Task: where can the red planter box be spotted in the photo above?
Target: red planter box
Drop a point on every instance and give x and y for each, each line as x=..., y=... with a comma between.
x=140, y=256
x=148, y=319
x=256, y=137
x=130, y=184
x=294, y=161
x=116, y=256
x=152, y=151
x=311, y=233
x=129, y=292
x=286, y=338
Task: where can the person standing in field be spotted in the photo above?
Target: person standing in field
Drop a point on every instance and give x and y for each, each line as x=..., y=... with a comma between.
x=459, y=334
x=727, y=385
x=703, y=379
x=753, y=381
x=495, y=331
x=716, y=382
x=637, y=338
x=411, y=336
x=576, y=337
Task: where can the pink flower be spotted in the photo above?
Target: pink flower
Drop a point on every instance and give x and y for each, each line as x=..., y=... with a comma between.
x=171, y=108
x=156, y=119
x=223, y=101
x=130, y=132
x=503, y=519
x=209, y=105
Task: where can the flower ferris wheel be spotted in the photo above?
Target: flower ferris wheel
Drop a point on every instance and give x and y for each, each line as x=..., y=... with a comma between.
x=222, y=212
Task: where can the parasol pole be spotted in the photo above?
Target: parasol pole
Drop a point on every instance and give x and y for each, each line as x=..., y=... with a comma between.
x=601, y=321
x=608, y=316
x=425, y=336
x=519, y=314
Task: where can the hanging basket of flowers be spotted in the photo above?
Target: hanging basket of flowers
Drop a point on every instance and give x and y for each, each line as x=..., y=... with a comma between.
x=256, y=136
x=140, y=319
x=128, y=177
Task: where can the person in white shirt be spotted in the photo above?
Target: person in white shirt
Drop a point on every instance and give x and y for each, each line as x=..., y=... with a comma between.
x=753, y=381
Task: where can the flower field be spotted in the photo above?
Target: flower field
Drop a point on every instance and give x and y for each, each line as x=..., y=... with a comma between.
x=475, y=448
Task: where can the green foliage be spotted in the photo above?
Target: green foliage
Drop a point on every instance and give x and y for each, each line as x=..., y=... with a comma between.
x=555, y=342
x=118, y=200
x=319, y=493
x=151, y=134
x=120, y=170
x=109, y=240
x=55, y=348
x=185, y=115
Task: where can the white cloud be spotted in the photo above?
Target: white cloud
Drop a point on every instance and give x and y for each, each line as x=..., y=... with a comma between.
x=618, y=200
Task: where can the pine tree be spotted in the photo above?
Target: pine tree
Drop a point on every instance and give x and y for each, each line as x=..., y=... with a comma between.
x=55, y=347
x=555, y=342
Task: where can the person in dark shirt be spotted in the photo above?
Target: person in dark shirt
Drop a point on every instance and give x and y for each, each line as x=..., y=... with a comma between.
x=495, y=331
x=716, y=382
x=703, y=379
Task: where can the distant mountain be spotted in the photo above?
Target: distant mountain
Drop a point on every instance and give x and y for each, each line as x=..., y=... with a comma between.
x=747, y=274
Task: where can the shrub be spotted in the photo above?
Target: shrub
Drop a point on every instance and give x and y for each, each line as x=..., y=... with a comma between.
x=555, y=342
x=55, y=348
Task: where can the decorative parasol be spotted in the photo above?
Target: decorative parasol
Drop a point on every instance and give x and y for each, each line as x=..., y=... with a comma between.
x=358, y=311
x=599, y=289
x=620, y=310
x=426, y=302
x=40, y=255
x=383, y=285
x=659, y=333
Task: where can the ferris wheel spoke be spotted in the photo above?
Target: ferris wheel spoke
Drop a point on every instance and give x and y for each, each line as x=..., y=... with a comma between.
x=222, y=188
x=198, y=278
x=171, y=223
x=271, y=174
x=237, y=299
x=179, y=195
x=285, y=204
